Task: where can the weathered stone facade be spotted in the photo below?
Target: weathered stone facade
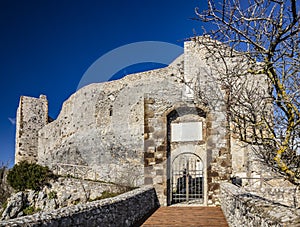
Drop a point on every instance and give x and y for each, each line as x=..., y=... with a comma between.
x=126, y=130
x=32, y=115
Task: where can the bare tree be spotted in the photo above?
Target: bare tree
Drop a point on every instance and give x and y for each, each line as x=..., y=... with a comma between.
x=264, y=35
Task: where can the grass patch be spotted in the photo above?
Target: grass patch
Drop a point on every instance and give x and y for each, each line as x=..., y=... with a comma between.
x=105, y=195
x=4, y=205
x=52, y=195
x=30, y=210
x=76, y=202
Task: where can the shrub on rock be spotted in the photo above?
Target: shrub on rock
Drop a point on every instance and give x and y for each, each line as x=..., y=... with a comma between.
x=26, y=175
x=5, y=189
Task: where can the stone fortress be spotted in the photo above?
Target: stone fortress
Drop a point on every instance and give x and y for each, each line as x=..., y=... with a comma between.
x=147, y=128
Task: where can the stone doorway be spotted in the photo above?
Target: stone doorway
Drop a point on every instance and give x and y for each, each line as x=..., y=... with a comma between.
x=186, y=156
x=187, y=179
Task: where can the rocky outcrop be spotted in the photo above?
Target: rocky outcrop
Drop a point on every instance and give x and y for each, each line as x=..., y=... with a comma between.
x=128, y=209
x=15, y=206
x=60, y=193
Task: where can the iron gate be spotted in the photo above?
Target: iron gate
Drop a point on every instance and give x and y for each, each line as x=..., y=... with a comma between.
x=187, y=179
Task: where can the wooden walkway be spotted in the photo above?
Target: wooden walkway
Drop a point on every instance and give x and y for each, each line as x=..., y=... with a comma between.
x=186, y=216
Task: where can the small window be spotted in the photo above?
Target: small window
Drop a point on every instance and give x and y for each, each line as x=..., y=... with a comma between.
x=110, y=111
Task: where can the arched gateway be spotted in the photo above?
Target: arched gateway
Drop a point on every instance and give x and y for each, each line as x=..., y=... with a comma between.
x=186, y=156
x=187, y=179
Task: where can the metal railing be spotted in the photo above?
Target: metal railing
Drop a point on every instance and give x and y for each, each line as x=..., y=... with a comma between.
x=72, y=170
x=258, y=182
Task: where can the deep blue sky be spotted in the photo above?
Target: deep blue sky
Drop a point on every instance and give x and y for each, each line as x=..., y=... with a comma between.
x=46, y=46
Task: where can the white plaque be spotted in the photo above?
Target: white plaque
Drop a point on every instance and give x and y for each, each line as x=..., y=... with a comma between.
x=186, y=131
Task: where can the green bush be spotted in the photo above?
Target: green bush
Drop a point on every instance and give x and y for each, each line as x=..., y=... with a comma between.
x=29, y=210
x=26, y=175
x=5, y=189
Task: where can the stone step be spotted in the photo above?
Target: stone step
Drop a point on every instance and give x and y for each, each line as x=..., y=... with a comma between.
x=186, y=216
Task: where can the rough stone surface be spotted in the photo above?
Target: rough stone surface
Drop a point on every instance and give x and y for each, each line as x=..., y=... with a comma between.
x=104, y=134
x=15, y=205
x=242, y=208
x=284, y=195
x=60, y=193
x=123, y=210
x=32, y=115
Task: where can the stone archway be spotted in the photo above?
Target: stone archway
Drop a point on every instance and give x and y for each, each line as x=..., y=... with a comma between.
x=186, y=156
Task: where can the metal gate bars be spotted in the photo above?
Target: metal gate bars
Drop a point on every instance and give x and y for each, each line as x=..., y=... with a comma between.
x=187, y=179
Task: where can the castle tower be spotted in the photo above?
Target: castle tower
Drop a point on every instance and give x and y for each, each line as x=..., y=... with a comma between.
x=32, y=115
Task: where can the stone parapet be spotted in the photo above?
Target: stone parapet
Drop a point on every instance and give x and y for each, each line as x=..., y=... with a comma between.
x=242, y=208
x=123, y=210
x=287, y=196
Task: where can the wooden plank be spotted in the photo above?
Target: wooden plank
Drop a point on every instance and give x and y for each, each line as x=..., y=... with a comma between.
x=187, y=216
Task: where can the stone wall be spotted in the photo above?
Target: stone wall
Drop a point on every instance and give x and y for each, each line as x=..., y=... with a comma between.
x=242, y=208
x=127, y=209
x=118, y=130
x=102, y=126
x=32, y=115
x=285, y=195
